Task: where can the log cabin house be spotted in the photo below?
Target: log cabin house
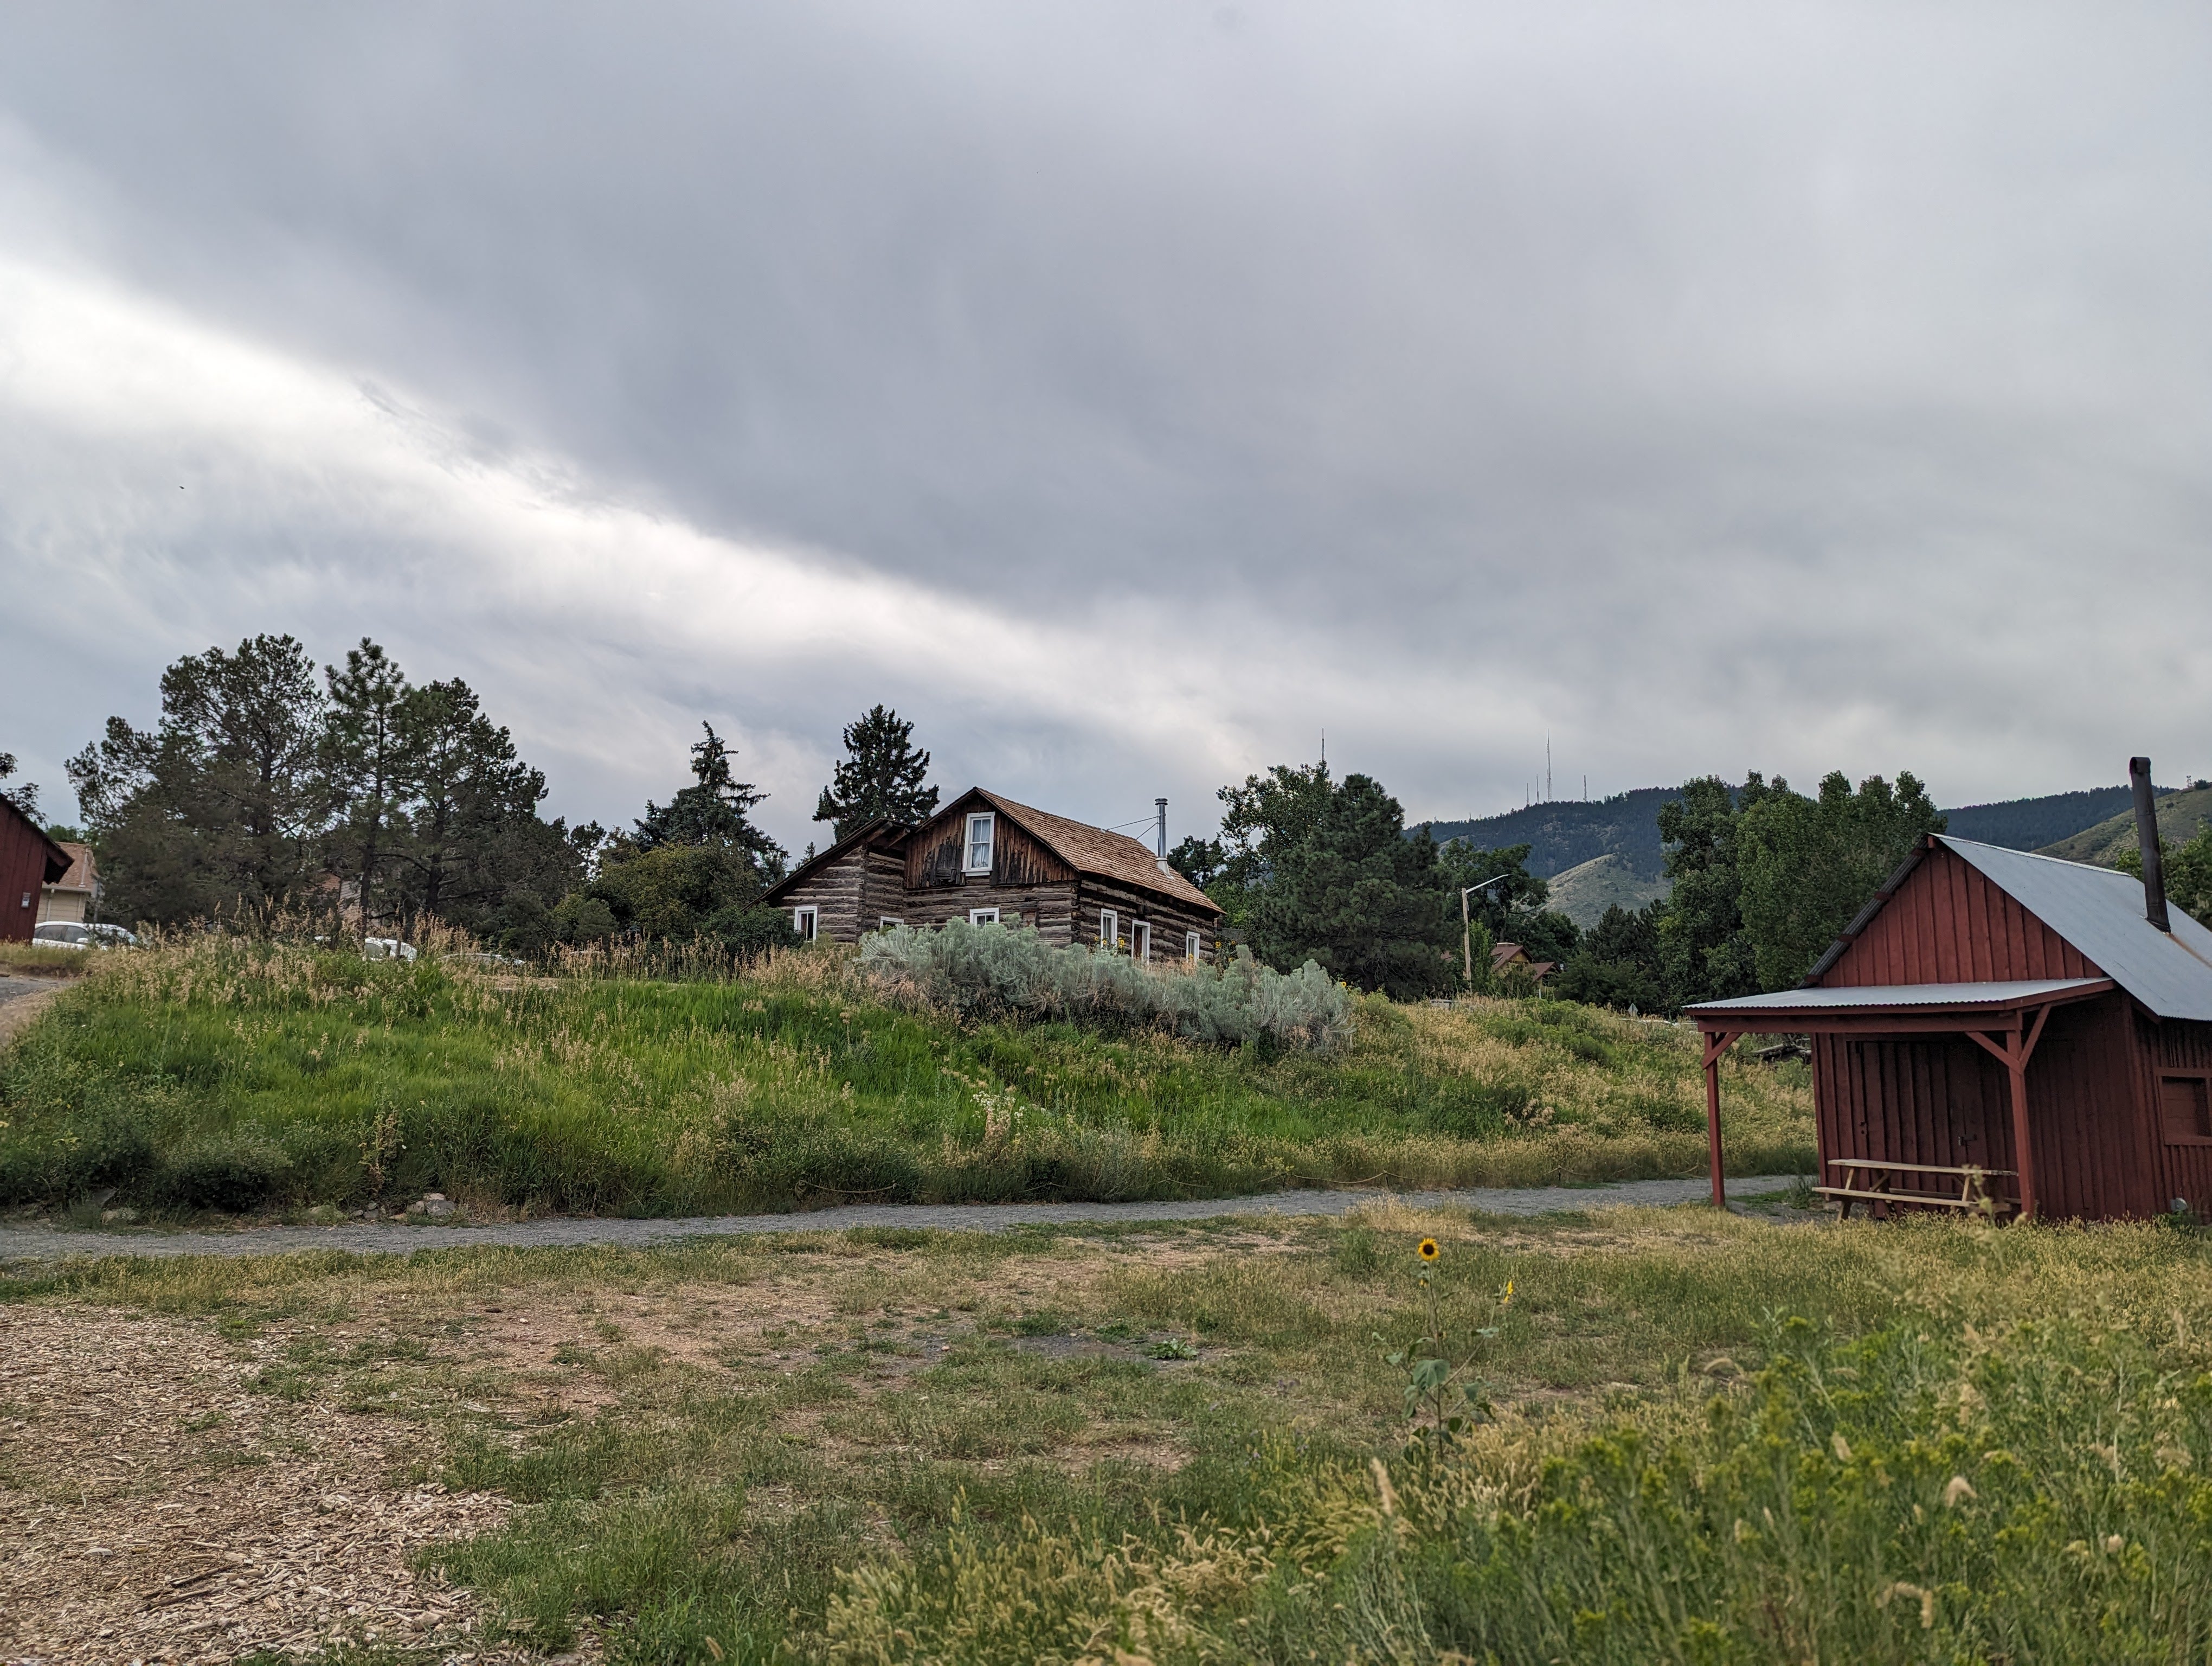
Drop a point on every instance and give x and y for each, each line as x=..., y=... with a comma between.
x=2036, y=1030
x=989, y=861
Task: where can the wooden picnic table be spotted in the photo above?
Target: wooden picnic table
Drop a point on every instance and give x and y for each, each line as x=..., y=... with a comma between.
x=1973, y=1194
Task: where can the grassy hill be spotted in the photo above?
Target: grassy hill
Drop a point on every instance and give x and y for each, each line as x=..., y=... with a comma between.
x=1584, y=892
x=2180, y=815
x=221, y=1074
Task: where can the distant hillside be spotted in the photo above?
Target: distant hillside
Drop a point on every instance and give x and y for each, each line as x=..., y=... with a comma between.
x=1568, y=833
x=1585, y=892
x=2180, y=814
x=2033, y=824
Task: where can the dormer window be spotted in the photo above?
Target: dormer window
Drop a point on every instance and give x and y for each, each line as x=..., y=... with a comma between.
x=982, y=829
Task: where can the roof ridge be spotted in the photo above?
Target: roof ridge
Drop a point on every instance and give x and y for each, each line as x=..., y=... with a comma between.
x=2037, y=855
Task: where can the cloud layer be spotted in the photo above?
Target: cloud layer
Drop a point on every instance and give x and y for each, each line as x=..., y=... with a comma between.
x=1129, y=393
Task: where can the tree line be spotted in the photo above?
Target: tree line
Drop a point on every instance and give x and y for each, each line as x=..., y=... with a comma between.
x=270, y=787
x=1761, y=881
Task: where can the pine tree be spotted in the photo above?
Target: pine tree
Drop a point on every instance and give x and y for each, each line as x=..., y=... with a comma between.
x=1357, y=895
x=222, y=809
x=366, y=758
x=712, y=810
x=882, y=776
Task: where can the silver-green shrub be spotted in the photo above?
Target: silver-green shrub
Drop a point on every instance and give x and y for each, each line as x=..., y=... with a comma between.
x=992, y=971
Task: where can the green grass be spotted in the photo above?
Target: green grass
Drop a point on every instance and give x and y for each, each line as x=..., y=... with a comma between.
x=1715, y=1439
x=221, y=1074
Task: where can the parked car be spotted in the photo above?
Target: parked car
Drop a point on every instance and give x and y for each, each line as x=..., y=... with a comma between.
x=72, y=934
x=386, y=948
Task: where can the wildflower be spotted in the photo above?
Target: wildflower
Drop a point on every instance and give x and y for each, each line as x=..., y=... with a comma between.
x=1428, y=1250
x=1505, y=1296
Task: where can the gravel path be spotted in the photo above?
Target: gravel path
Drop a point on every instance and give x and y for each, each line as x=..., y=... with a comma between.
x=47, y=1243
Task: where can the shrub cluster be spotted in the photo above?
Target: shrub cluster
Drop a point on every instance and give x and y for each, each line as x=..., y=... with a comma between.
x=991, y=971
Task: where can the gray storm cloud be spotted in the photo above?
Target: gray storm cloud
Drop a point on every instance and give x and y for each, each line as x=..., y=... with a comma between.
x=1127, y=394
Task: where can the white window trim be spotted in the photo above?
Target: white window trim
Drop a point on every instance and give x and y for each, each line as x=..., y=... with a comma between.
x=1109, y=928
x=1193, y=946
x=990, y=820
x=1141, y=939
x=887, y=921
x=807, y=921
x=982, y=916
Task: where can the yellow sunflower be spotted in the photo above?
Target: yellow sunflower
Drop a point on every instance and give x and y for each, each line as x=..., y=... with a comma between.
x=1428, y=1250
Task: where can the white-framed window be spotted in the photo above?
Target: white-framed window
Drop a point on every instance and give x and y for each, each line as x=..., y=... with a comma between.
x=888, y=921
x=1109, y=929
x=1141, y=938
x=1191, y=946
x=982, y=831
x=807, y=921
x=982, y=916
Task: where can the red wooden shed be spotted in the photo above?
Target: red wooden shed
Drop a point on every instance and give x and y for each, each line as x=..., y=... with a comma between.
x=2014, y=1014
x=28, y=860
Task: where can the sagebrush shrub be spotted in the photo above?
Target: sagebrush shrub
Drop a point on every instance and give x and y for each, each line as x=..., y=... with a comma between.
x=991, y=971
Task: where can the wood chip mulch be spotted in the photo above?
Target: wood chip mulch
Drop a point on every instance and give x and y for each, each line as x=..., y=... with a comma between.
x=155, y=1508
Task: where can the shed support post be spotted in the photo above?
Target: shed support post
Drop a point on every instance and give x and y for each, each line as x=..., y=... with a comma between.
x=1716, y=1044
x=2016, y=1068
x=2013, y=1051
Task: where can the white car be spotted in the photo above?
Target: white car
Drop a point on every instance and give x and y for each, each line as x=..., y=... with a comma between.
x=386, y=948
x=71, y=934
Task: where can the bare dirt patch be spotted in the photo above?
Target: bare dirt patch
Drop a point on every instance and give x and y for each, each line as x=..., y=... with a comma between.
x=154, y=1507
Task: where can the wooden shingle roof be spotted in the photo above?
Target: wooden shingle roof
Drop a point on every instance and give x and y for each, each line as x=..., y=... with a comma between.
x=1094, y=850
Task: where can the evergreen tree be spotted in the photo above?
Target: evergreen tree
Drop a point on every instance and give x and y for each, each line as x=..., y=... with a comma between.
x=473, y=842
x=1359, y=896
x=1617, y=962
x=221, y=809
x=882, y=776
x=366, y=756
x=712, y=810
x=1261, y=821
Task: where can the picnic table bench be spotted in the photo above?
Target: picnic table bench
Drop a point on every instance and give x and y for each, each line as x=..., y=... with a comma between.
x=1973, y=1193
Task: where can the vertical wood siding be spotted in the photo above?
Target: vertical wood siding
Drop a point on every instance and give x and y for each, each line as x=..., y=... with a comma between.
x=1948, y=924
x=2184, y=1170
x=22, y=872
x=937, y=854
x=1941, y=1099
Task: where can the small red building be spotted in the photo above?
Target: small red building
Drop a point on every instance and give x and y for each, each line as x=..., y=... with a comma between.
x=29, y=860
x=2011, y=1013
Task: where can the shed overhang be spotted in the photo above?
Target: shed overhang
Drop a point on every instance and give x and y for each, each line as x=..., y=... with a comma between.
x=1893, y=1008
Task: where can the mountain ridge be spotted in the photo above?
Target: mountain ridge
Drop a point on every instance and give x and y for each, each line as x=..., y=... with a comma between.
x=1563, y=833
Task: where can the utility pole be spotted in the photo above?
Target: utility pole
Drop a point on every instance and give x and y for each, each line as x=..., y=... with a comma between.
x=1467, y=925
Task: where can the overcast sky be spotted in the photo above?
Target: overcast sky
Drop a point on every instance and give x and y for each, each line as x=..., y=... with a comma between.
x=1128, y=393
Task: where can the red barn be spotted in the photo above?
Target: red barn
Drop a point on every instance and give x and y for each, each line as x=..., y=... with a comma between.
x=28, y=860
x=2040, y=1022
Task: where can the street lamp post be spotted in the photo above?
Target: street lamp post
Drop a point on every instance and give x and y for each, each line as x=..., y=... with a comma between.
x=1467, y=923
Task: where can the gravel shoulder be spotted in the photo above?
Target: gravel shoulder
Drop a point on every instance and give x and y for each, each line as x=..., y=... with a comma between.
x=48, y=1242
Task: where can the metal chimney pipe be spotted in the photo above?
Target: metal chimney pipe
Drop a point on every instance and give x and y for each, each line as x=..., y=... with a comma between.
x=1161, y=854
x=2153, y=865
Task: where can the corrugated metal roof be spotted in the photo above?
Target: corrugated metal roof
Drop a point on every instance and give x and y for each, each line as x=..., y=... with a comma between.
x=2016, y=993
x=2100, y=910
